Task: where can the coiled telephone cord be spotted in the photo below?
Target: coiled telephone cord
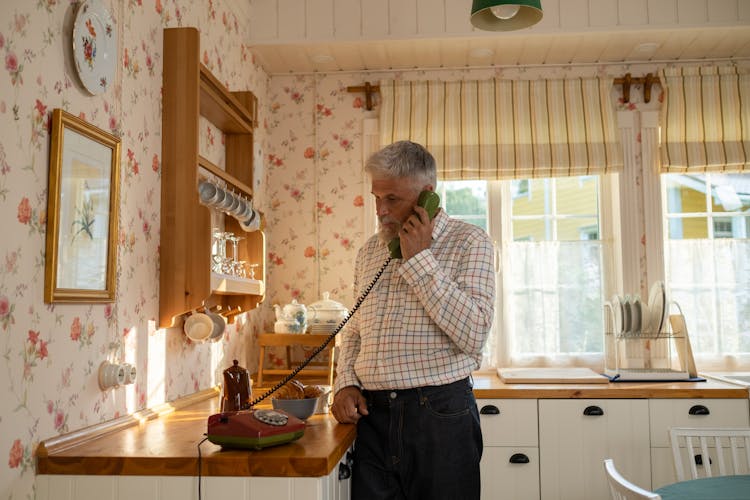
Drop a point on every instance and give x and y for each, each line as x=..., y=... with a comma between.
x=328, y=340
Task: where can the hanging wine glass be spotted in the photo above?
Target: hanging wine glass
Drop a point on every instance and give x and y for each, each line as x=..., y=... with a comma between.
x=218, y=250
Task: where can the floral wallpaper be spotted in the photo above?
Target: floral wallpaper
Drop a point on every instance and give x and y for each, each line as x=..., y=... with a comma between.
x=50, y=353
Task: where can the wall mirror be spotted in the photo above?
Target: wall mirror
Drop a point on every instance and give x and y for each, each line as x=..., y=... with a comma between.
x=82, y=212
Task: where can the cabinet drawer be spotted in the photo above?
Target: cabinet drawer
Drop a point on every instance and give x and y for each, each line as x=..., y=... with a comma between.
x=508, y=422
x=506, y=479
x=666, y=413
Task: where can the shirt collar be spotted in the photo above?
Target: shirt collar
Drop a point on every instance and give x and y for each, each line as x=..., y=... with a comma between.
x=441, y=221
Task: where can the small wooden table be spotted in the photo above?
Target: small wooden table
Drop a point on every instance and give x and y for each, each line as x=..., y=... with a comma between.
x=316, y=369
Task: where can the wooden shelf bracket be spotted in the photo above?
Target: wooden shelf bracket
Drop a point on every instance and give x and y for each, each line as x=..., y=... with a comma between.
x=647, y=81
x=368, y=89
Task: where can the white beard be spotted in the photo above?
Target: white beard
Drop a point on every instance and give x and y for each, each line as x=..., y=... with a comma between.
x=386, y=234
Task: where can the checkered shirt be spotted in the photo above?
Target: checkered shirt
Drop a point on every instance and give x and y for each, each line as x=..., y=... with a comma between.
x=426, y=320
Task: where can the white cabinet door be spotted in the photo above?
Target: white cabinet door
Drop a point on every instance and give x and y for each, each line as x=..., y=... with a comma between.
x=667, y=413
x=576, y=435
x=510, y=460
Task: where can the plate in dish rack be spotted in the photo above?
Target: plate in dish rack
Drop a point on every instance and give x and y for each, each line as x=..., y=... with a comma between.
x=95, y=46
x=657, y=306
x=617, y=309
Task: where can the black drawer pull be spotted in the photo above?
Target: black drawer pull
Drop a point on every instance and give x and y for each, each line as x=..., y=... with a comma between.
x=519, y=458
x=594, y=411
x=490, y=410
x=698, y=410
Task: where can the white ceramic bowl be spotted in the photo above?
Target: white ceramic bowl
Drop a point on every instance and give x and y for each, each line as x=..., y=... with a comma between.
x=300, y=408
x=198, y=327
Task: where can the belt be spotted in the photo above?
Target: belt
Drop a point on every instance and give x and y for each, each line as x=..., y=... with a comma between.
x=388, y=396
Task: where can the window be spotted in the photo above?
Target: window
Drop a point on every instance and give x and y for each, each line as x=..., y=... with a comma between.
x=552, y=288
x=708, y=258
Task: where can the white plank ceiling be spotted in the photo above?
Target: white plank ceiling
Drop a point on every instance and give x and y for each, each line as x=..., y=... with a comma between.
x=303, y=36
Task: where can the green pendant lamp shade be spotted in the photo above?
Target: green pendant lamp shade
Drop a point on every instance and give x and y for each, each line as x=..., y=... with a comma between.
x=505, y=15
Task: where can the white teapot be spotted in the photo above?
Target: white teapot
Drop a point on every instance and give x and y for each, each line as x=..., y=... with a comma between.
x=326, y=314
x=292, y=318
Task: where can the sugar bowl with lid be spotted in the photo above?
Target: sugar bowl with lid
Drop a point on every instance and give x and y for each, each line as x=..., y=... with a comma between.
x=326, y=314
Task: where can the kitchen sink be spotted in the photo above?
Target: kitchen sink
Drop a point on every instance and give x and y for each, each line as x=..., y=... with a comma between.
x=734, y=378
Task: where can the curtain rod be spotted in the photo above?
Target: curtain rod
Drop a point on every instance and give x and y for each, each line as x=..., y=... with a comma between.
x=626, y=81
x=368, y=90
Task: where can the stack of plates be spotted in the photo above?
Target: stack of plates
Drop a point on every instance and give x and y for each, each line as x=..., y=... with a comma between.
x=322, y=327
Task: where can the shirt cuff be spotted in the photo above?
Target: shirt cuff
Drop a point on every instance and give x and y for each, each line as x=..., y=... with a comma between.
x=345, y=381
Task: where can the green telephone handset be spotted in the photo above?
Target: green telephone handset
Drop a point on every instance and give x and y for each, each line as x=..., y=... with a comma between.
x=430, y=201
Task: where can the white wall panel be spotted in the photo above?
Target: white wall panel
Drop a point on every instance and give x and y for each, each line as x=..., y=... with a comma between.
x=662, y=12
x=402, y=18
x=723, y=11
x=263, y=20
x=374, y=19
x=692, y=12
x=743, y=11
x=551, y=17
x=633, y=13
x=179, y=488
x=292, y=15
x=574, y=14
x=430, y=17
x=278, y=488
x=347, y=15
x=458, y=16
x=94, y=488
x=65, y=487
x=142, y=487
x=603, y=13
x=54, y=487
x=319, y=19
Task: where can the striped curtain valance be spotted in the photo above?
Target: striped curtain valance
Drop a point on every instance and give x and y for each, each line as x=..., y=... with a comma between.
x=705, y=119
x=506, y=129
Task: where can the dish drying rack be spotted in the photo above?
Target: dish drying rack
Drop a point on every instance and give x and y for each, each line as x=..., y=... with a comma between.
x=661, y=354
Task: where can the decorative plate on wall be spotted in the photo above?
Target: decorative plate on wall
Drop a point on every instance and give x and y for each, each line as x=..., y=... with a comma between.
x=95, y=46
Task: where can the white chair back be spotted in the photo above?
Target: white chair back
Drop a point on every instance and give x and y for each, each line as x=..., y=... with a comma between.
x=722, y=452
x=622, y=489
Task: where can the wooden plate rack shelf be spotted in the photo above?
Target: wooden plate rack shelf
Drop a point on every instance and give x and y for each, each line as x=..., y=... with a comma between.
x=191, y=91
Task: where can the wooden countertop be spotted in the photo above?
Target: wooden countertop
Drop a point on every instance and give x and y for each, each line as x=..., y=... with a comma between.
x=489, y=386
x=166, y=445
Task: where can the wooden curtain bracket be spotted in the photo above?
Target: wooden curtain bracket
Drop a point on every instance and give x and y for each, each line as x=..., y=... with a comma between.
x=368, y=90
x=626, y=81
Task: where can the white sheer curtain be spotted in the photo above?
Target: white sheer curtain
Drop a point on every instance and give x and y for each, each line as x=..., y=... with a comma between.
x=554, y=295
x=711, y=279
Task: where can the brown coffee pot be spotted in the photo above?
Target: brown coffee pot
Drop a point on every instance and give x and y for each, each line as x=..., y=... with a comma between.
x=236, y=388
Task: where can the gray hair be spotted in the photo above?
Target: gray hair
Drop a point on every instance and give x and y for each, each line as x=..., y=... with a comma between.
x=403, y=159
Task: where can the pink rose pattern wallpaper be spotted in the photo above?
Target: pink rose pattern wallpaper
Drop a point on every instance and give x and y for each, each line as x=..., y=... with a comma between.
x=50, y=353
x=308, y=183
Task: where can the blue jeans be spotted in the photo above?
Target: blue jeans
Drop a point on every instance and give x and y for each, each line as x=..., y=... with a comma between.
x=419, y=443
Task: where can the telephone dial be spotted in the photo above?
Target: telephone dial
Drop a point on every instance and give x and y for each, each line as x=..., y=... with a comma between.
x=256, y=428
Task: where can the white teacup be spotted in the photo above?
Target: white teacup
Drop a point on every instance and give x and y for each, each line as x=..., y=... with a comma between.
x=227, y=202
x=252, y=223
x=241, y=207
x=198, y=327
x=246, y=212
x=208, y=192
